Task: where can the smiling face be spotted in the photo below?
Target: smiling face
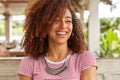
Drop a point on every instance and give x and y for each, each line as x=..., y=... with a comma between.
x=61, y=29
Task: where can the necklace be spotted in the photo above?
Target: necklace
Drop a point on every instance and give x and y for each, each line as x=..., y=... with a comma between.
x=56, y=71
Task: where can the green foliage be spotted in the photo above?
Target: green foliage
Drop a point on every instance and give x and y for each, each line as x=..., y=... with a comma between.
x=109, y=23
x=109, y=40
x=2, y=27
x=17, y=24
x=86, y=32
x=110, y=44
x=17, y=28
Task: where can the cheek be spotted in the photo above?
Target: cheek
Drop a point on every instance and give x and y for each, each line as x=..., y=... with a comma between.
x=53, y=27
x=71, y=28
x=51, y=31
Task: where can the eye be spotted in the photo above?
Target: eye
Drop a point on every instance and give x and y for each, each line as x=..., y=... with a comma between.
x=68, y=21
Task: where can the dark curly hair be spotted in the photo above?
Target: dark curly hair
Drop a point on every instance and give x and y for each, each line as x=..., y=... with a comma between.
x=41, y=15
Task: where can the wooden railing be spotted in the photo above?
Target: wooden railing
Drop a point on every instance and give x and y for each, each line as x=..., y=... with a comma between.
x=108, y=69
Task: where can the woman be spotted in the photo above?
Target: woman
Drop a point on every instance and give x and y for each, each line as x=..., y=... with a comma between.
x=54, y=44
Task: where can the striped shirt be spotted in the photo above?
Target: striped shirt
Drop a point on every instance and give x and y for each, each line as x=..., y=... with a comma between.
x=75, y=63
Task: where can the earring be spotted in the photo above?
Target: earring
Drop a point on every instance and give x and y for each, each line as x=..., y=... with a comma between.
x=72, y=34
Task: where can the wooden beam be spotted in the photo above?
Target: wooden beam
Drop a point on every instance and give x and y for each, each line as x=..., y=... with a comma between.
x=14, y=1
x=30, y=4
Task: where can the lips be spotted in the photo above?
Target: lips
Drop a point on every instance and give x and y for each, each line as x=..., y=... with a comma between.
x=62, y=33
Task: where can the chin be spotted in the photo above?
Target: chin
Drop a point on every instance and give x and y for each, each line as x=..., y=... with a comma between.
x=61, y=42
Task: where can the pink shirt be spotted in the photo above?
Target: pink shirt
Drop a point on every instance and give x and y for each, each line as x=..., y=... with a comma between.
x=75, y=63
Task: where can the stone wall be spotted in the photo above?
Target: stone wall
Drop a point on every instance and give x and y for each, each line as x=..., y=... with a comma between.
x=8, y=68
x=108, y=69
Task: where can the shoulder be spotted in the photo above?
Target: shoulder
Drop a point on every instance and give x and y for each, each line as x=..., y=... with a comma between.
x=88, y=60
x=26, y=66
x=30, y=61
x=85, y=58
x=27, y=59
x=85, y=54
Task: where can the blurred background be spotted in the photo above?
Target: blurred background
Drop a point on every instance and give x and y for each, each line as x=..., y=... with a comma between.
x=101, y=26
x=100, y=18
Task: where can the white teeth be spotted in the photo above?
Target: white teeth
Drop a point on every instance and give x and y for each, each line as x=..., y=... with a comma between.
x=62, y=33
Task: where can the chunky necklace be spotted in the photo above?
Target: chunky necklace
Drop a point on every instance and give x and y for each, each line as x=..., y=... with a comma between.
x=56, y=71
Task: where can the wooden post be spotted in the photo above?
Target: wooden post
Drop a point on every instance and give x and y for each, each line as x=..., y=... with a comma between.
x=8, y=26
x=94, y=27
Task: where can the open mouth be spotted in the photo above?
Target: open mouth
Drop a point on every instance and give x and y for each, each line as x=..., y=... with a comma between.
x=62, y=33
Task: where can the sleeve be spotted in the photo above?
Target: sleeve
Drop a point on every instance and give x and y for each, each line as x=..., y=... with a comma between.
x=88, y=60
x=26, y=67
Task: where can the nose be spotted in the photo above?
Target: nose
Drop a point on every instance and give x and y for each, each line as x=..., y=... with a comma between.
x=63, y=24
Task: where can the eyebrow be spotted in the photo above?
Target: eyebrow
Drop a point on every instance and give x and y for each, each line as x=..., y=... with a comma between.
x=68, y=17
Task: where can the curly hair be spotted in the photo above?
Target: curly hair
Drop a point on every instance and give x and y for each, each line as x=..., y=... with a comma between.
x=41, y=15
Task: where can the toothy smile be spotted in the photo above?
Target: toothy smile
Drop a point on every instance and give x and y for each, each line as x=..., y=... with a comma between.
x=61, y=33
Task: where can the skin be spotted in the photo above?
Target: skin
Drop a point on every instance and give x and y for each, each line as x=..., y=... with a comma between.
x=89, y=74
x=58, y=34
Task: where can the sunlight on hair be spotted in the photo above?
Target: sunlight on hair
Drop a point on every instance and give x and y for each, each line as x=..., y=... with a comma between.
x=77, y=15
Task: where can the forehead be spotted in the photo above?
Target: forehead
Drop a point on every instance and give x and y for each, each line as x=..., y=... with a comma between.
x=67, y=13
x=64, y=14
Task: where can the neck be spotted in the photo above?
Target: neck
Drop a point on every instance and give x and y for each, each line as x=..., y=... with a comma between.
x=57, y=53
